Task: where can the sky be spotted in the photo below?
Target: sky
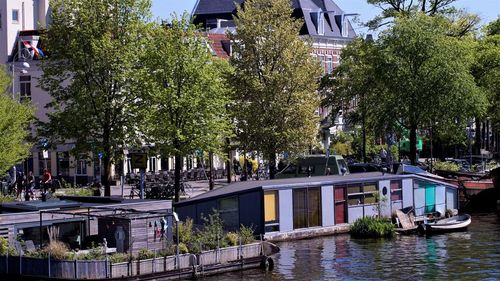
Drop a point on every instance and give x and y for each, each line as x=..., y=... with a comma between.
x=488, y=10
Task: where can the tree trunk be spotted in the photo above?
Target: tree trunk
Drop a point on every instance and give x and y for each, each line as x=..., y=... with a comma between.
x=106, y=178
x=211, y=168
x=229, y=163
x=477, y=142
x=177, y=176
x=413, y=144
x=272, y=165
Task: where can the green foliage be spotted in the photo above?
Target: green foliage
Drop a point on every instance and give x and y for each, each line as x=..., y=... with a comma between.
x=185, y=231
x=119, y=257
x=92, y=75
x=183, y=249
x=15, y=117
x=57, y=250
x=246, y=234
x=7, y=198
x=78, y=192
x=371, y=227
x=413, y=65
x=185, y=93
x=145, y=254
x=211, y=235
x=232, y=238
x=446, y=166
x=5, y=248
x=274, y=81
x=342, y=144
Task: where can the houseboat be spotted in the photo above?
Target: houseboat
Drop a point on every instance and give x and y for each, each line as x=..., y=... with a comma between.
x=305, y=207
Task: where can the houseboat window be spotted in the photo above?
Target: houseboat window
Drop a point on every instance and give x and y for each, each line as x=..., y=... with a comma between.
x=306, y=207
x=396, y=191
x=358, y=194
x=299, y=208
x=228, y=210
x=271, y=215
x=369, y=194
x=314, y=206
x=354, y=195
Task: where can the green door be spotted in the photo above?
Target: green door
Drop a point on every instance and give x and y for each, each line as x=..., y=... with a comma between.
x=430, y=198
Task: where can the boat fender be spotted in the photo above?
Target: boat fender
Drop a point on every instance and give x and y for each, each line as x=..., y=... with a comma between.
x=267, y=263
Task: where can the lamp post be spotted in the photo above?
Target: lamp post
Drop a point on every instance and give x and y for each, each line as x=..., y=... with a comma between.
x=13, y=69
x=176, y=218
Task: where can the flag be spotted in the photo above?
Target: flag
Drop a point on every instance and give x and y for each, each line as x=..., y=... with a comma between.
x=37, y=51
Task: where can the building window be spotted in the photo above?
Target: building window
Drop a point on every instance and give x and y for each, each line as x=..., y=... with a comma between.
x=63, y=164
x=0, y=19
x=152, y=164
x=271, y=215
x=81, y=166
x=306, y=207
x=321, y=59
x=329, y=64
x=15, y=16
x=228, y=210
x=25, y=86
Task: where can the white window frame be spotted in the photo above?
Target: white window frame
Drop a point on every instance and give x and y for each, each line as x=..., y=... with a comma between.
x=25, y=87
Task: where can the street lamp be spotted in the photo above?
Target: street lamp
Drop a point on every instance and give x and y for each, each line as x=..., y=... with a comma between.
x=22, y=70
x=176, y=218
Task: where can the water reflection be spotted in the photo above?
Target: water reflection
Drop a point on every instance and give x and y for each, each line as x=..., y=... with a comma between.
x=471, y=255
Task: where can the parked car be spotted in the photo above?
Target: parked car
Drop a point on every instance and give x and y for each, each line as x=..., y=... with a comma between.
x=363, y=168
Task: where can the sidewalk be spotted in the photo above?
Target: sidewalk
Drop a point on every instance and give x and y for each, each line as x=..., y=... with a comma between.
x=198, y=187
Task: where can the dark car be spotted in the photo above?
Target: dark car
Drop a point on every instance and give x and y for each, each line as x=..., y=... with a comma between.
x=363, y=168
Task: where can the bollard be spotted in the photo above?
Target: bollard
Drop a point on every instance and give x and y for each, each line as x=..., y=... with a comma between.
x=48, y=260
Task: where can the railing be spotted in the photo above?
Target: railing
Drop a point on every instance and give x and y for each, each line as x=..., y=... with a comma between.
x=102, y=269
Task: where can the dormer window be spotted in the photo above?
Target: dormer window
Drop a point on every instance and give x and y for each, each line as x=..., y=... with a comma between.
x=319, y=21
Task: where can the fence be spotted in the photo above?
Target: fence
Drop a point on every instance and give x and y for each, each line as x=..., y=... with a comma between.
x=78, y=269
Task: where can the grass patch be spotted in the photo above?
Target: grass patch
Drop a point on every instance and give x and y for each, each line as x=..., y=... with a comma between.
x=371, y=227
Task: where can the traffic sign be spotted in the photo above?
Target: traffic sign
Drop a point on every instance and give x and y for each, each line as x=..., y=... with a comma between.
x=139, y=160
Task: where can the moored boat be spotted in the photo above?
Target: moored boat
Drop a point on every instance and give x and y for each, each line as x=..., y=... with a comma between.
x=455, y=223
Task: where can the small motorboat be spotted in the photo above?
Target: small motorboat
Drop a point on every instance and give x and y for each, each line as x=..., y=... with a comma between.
x=455, y=223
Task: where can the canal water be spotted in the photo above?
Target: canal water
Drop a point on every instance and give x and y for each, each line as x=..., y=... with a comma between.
x=470, y=255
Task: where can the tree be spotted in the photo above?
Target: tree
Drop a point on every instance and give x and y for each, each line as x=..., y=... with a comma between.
x=423, y=80
x=94, y=48
x=14, y=119
x=487, y=73
x=187, y=96
x=416, y=78
x=274, y=82
x=462, y=22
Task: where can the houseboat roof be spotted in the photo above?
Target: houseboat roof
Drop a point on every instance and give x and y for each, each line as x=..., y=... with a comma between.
x=246, y=186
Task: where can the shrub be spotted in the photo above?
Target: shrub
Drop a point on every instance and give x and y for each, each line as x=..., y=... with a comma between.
x=186, y=231
x=212, y=234
x=78, y=192
x=145, y=254
x=57, y=250
x=183, y=249
x=5, y=248
x=169, y=250
x=6, y=198
x=232, y=238
x=246, y=234
x=94, y=253
x=119, y=257
x=447, y=166
x=371, y=227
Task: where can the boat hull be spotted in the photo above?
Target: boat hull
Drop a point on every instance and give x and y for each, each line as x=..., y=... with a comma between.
x=453, y=224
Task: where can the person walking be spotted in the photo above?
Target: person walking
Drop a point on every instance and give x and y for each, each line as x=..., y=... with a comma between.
x=46, y=180
x=29, y=185
x=383, y=156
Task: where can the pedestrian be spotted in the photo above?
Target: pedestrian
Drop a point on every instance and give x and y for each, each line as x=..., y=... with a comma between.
x=46, y=180
x=383, y=156
x=20, y=181
x=12, y=179
x=29, y=185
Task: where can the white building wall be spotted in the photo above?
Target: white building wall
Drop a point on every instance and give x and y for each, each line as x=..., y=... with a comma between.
x=385, y=202
x=407, y=193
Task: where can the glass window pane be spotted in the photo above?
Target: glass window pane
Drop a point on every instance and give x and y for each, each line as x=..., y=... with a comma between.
x=299, y=209
x=354, y=200
x=353, y=189
x=370, y=198
x=270, y=206
x=228, y=210
x=314, y=206
x=395, y=185
x=370, y=188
